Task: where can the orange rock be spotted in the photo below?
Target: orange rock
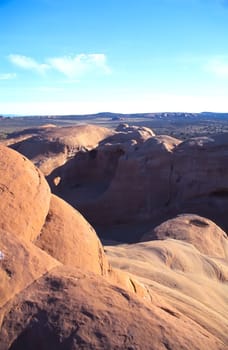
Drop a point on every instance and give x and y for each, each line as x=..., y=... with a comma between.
x=204, y=234
x=50, y=147
x=21, y=263
x=66, y=309
x=69, y=238
x=24, y=195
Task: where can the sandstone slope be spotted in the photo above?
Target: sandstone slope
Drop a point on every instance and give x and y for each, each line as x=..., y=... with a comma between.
x=85, y=312
x=193, y=283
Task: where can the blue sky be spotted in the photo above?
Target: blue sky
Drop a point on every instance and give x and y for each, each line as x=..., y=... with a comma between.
x=88, y=56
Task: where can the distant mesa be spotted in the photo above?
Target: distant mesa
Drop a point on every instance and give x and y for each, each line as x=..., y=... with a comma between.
x=117, y=118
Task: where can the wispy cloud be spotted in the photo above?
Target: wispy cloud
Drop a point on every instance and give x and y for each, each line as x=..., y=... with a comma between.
x=7, y=76
x=218, y=66
x=78, y=65
x=28, y=63
x=71, y=66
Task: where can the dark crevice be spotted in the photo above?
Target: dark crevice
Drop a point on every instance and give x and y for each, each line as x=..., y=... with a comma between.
x=199, y=223
x=93, y=153
x=170, y=184
x=171, y=312
x=221, y=193
x=133, y=285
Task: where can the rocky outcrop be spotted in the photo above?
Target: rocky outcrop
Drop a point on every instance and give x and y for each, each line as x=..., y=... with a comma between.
x=50, y=147
x=177, y=273
x=24, y=195
x=199, y=182
x=207, y=237
x=148, y=180
x=141, y=184
x=70, y=239
x=21, y=263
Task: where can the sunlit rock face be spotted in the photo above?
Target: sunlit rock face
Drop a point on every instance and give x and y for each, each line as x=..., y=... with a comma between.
x=24, y=195
x=68, y=310
x=70, y=239
x=202, y=233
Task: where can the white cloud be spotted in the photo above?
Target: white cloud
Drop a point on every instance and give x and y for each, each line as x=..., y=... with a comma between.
x=218, y=66
x=79, y=65
x=28, y=63
x=7, y=76
x=71, y=66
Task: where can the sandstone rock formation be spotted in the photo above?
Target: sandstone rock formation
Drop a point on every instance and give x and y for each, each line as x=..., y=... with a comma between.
x=25, y=195
x=178, y=274
x=85, y=312
x=70, y=239
x=58, y=290
x=49, y=147
x=199, y=181
x=148, y=180
x=120, y=182
x=21, y=263
x=129, y=175
x=207, y=237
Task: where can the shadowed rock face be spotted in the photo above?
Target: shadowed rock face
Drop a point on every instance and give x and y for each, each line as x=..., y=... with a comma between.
x=149, y=180
x=199, y=181
x=120, y=182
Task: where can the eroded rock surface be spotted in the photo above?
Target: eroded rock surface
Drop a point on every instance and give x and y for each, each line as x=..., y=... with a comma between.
x=148, y=180
x=24, y=195
x=50, y=147
x=68, y=310
x=69, y=238
x=207, y=237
